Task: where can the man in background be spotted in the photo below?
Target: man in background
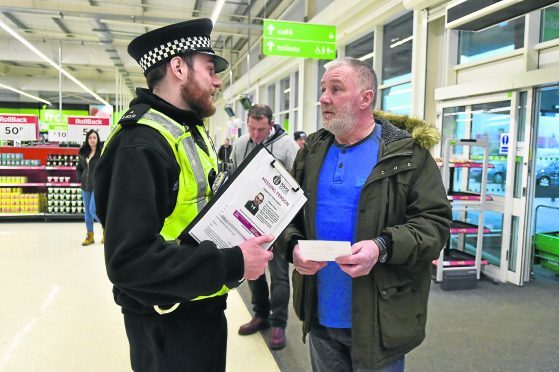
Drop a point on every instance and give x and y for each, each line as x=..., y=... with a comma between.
x=300, y=137
x=224, y=151
x=262, y=130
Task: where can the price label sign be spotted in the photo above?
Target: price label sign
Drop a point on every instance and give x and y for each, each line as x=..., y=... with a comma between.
x=58, y=132
x=19, y=127
x=78, y=126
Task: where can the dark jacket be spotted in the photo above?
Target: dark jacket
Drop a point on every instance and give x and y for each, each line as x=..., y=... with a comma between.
x=136, y=189
x=224, y=153
x=403, y=198
x=85, y=170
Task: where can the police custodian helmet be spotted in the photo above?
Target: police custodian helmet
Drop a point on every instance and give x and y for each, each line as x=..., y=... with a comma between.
x=160, y=45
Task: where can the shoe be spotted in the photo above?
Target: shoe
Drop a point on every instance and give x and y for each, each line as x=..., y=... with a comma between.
x=89, y=239
x=277, y=338
x=256, y=324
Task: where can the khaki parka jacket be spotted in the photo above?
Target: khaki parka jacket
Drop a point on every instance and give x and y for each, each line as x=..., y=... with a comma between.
x=404, y=198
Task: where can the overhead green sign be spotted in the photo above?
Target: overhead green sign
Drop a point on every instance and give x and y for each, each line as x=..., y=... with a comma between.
x=294, y=39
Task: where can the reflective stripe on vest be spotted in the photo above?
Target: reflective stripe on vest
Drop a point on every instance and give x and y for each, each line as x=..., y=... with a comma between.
x=193, y=188
x=183, y=211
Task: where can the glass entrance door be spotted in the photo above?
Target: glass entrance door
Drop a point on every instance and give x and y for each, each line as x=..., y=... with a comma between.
x=544, y=239
x=502, y=121
x=487, y=120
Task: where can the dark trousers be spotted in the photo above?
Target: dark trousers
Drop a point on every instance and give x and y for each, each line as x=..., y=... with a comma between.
x=279, y=300
x=170, y=343
x=330, y=350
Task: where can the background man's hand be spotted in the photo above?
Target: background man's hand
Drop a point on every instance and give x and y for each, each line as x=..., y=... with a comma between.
x=255, y=257
x=305, y=267
x=364, y=255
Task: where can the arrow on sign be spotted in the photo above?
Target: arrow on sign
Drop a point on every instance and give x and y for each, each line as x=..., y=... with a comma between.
x=270, y=45
x=331, y=36
x=271, y=29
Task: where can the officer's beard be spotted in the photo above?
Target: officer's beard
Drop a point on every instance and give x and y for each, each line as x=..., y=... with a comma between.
x=199, y=100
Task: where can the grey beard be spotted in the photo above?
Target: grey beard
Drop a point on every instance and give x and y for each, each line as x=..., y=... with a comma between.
x=340, y=124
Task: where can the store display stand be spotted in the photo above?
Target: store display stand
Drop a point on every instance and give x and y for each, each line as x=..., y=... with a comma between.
x=52, y=185
x=456, y=269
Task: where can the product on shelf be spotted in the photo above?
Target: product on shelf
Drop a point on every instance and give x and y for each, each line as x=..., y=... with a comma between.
x=49, y=172
x=14, y=201
x=64, y=200
x=62, y=160
x=17, y=159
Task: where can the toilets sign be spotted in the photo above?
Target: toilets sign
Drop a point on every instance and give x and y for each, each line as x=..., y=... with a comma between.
x=78, y=126
x=295, y=39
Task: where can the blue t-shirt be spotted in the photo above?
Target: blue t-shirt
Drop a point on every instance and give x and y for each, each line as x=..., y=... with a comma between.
x=343, y=174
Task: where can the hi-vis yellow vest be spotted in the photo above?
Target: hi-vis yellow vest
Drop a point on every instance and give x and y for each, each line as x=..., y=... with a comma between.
x=194, y=190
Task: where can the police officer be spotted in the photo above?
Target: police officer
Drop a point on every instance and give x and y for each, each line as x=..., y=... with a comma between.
x=153, y=178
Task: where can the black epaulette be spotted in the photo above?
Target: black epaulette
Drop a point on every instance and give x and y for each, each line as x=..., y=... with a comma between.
x=134, y=114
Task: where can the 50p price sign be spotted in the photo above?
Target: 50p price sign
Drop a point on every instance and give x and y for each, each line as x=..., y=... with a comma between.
x=19, y=127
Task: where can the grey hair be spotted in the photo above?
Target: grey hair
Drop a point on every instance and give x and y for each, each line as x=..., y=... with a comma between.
x=366, y=76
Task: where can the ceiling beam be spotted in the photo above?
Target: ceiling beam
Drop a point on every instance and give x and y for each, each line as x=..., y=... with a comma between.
x=61, y=25
x=17, y=22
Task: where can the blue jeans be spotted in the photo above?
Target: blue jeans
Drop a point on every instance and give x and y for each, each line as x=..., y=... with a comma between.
x=331, y=351
x=89, y=207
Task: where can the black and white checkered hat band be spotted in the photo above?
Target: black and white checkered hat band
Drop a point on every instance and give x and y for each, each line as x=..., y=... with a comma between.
x=172, y=48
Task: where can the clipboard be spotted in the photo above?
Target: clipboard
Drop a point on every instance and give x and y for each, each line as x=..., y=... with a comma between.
x=226, y=219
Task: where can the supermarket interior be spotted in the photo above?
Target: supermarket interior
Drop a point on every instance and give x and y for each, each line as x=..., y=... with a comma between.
x=483, y=73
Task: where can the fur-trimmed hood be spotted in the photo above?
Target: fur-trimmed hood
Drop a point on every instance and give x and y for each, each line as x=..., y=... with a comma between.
x=394, y=127
x=423, y=133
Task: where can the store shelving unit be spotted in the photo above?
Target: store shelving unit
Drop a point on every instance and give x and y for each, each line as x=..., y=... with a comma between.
x=45, y=180
x=455, y=260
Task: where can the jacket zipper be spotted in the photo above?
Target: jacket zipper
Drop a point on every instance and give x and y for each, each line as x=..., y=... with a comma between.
x=87, y=173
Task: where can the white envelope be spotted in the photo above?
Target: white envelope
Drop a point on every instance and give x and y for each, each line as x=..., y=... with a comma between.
x=323, y=250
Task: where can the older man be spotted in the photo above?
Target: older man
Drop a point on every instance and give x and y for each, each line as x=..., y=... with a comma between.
x=154, y=177
x=261, y=129
x=371, y=184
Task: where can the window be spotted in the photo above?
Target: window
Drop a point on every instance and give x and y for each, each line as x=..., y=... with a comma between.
x=296, y=90
x=550, y=23
x=321, y=70
x=362, y=49
x=284, y=94
x=397, y=50
x=501, y=38
x=272, y=96
x=487, y=122
x=396, y=65
x=397, y=99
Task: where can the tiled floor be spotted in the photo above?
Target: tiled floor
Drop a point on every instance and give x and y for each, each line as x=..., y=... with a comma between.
x=57, y=308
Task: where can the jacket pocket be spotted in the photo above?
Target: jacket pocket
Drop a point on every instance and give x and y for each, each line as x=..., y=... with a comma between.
x=400, y=315
x=298, y=282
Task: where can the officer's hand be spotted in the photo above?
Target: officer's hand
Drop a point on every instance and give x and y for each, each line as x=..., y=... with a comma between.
x=255, y=257
x=364, y=255
x=305, y=267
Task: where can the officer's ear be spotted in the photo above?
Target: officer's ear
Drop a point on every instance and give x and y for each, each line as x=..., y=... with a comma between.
x=178, y=68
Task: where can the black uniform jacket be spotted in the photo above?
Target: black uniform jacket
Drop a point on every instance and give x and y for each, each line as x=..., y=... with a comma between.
x=136, y=183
